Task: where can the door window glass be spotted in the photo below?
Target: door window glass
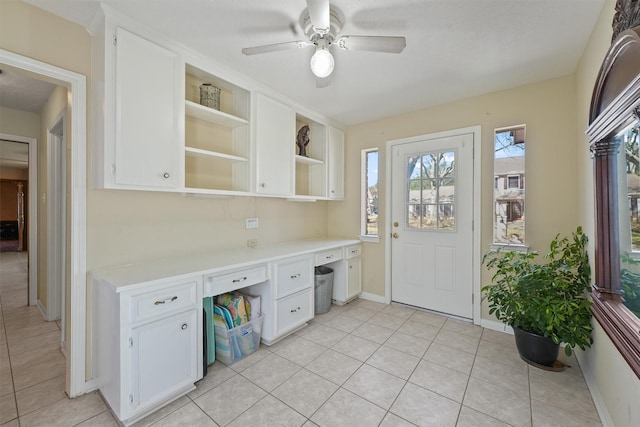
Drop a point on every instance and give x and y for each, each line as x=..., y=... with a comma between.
x=431, y=191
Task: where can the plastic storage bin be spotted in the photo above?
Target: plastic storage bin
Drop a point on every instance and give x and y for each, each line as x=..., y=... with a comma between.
x=323, y=289
x=237, y=343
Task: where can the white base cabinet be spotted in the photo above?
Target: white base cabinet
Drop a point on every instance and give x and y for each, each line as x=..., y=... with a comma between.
x=287, y=299
x=148, y=342
x=347, y=281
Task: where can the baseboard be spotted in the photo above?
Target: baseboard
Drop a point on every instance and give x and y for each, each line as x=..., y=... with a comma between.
x=372, y=297
x=42, y=309
x=598, y=401
x=90, y=385
x=494, y=325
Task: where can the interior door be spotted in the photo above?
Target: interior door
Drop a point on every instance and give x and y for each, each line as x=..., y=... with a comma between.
x=431, y=230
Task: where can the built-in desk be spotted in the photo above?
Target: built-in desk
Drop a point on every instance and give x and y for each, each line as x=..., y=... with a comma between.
x=147, y=316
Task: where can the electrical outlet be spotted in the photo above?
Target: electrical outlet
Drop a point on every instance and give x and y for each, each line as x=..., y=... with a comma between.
x=252, y=243
x=251, y=223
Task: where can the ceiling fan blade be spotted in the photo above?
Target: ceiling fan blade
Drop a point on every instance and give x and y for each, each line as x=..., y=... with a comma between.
x=386, y=44
x=256, y=50
x=319, y=14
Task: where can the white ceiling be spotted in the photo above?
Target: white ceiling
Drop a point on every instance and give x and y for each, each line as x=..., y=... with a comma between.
x=455, y=48
x=22, y=92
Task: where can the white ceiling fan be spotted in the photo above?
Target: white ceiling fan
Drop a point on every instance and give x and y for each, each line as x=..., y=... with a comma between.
x=322, y=23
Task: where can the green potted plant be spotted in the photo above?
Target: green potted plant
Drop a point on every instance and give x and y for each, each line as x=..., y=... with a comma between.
x=545, y=303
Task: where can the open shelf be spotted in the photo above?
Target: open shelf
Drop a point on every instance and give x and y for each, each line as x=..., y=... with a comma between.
x=214, y=116
x=216, y=141
x=308, y=160
x=311, y=171
x=190, y=151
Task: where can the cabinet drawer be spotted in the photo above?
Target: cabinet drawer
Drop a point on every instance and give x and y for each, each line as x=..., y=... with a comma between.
x=293, y=311
x=352, y=251
x=216, y=285
x=326, y=257
x=163, y=301
x=293, y=276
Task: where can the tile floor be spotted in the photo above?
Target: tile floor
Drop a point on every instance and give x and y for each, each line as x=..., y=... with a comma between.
x=363, y=364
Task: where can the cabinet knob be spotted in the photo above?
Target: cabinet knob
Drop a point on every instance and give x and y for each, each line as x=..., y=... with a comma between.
x=165, y=175
x=184, y=326
x=333, y=191
x=263, y=185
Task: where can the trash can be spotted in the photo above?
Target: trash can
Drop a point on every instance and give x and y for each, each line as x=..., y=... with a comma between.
x=323, y=289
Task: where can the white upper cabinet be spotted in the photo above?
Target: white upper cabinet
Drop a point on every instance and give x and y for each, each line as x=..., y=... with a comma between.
x=274, y=131
x=139, y=146
x=151, y=131
x=335, y=164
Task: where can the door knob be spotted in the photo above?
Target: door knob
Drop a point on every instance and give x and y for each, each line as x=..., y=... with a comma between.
x=395, y=235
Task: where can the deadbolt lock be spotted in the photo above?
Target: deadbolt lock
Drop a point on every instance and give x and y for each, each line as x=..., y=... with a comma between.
x=395, y=224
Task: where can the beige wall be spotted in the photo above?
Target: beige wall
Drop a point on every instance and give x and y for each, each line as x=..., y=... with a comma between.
x=617, y=385
x=548, y=110
x=14, y=173
x=128, y=226
x=21, y=123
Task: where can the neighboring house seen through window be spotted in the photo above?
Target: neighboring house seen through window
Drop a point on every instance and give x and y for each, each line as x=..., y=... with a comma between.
x=369, y=178
x=509, y=179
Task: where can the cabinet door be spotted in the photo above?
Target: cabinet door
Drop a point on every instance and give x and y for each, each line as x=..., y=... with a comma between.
x=147, y=140
x=163, y=358
x=336, y=164
x=354, y=283
x=275, y=133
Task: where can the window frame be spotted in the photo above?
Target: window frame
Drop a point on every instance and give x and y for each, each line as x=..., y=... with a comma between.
x=364, y=188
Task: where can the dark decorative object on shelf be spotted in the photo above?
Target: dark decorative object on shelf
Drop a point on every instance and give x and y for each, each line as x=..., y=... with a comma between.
x=302, y=140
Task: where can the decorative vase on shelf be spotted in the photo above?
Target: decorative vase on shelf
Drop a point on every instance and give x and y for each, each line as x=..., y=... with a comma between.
x=302, y=140
x=210, y=96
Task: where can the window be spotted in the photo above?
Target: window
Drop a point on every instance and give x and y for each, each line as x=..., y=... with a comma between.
x=431, y=191
x=509, y=173
x=369, y=193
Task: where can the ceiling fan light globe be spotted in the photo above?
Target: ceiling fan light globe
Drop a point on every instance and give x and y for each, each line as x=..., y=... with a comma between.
x=322, y=63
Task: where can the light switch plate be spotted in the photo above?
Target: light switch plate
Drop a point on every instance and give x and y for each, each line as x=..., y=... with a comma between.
x=251, y=223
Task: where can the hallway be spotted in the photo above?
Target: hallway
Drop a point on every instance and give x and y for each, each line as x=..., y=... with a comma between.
x=32, y=367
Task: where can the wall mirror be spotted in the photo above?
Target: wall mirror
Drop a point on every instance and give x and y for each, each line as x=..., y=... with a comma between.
x=613, y=138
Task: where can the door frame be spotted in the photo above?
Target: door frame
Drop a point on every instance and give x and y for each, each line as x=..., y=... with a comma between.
x=76, y=84
x=32, y=215
x=56, y=221
x=476, y=131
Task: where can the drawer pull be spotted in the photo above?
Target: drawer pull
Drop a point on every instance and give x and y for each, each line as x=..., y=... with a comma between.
x=184, y=326
x=240, y=280
x=329, y=256
x=295, y=310
x=295, y=276
x=172, y=299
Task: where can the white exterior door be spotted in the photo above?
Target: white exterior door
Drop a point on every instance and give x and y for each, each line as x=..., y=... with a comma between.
x=431, y=223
